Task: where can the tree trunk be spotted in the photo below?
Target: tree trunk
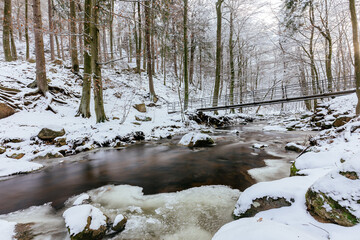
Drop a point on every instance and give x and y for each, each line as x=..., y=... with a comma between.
x=6, y=31
x=192, y=59
x=232, y=66
x=218, y=52
x=139, y=37
x=175, y=52
x=111, y=32
x=39, y=49
x=354, y=24
x=186, y=60
x=51, y=30
x=96, y=69
x=148, y=50
x=27, y=30
x=73, y=42
x=84, y=109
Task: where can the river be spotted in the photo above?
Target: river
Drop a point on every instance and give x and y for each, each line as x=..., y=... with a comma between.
x=157, y=185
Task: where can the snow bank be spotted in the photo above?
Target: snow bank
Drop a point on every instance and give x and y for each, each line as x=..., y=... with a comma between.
x=259, y=228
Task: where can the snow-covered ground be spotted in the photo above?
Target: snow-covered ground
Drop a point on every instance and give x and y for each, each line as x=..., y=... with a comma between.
x=337, y=151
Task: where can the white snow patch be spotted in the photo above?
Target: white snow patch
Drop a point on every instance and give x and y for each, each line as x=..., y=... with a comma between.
x=7, y=230
x=259, y=228
x=275, y=128
x=83, y=197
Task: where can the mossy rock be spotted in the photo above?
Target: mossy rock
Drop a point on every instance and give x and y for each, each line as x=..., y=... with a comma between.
x=263, y=204
x=31, y=60
x=143, y=118
x=327, y=209
x=17, y=155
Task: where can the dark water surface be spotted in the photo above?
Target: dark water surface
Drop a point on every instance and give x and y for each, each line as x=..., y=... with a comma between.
x=156, y=168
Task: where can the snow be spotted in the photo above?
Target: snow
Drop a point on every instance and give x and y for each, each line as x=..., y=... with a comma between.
x=118, y=219
x=7, y=230
x=81, y=199
x=275, y=128
x=193, y=138
x=13, y=166
x=259, y=228
x=76, y=218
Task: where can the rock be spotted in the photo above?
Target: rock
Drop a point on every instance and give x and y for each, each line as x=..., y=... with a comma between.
x=17, y=155
x=349, y=175
x=52, y=155
x=116, y=118
x=143, y=118
x=57, y=62
x=335, y=198
x=59, y=142
x=119, y=223
x=202, y=118
x=2, y=150
x=140, y=107
x=5, y=110
x=139, y=136
x=31, y=60
x=23, y=231
x=341, y=121
x=47, y=134
x=263, y=204
x=328, y=210
x=294, y=171
x=85, y=222
x=196, y=140
x=294, y=147
x=136, y=123
x=259, y=145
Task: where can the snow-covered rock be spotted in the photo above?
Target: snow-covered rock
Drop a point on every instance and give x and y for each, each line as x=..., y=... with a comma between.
x=83, y=198
x=294, y=147
x=335, y=198
x=119, y=223
x=196, y=140
x=259, y=145
x=85, y=222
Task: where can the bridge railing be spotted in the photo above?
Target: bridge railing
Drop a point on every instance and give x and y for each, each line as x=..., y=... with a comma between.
x=266, y=94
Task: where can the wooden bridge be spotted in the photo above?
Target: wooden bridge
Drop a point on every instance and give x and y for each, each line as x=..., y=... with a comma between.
x=272, y=95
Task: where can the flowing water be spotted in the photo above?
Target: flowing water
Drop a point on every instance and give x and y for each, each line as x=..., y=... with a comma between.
x=156, y=185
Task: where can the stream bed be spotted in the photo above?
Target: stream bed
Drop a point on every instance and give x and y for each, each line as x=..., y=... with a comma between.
x=165, y=190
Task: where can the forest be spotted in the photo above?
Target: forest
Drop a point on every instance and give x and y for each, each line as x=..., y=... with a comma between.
x=179, y=119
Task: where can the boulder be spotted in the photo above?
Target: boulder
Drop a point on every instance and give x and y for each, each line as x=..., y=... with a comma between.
x=294, y=147
x=47, y=134
x=341, y=121
x=263, y=204
x=59, y=142
x=85, y=222
x=17, y=155
x=335, y=198
x=196, y=140
x=5, y=110
x=119, y=223
x=140, y=107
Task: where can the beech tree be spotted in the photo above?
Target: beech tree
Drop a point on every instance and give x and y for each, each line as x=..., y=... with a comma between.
x=73, y=42
x=41, y=80
x=354, y=24
x=218, y=52
x=8, y=38
x=96, y=68
x=186, y=74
